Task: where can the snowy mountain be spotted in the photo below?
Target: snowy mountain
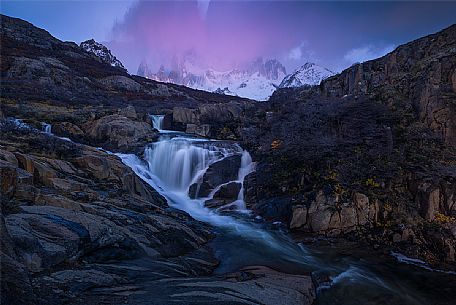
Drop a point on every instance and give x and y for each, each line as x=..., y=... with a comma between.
x=102, y=52
x=308, y=74
x=257, y=80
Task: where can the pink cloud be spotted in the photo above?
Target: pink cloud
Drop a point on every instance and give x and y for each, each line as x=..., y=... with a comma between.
x=225, y=36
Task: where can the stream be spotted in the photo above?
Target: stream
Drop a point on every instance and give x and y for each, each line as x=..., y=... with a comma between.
x=347, y=273
x=178, y=160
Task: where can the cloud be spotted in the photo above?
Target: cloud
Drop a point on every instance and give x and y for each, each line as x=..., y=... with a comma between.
x=296, y=53
x=301, y=52
x=222, y=34
x=225, y=34
x=203, y=6
x=367, y=52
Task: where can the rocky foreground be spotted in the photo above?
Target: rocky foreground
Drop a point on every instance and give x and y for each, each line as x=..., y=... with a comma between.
x=77, y=225
x=369, y=155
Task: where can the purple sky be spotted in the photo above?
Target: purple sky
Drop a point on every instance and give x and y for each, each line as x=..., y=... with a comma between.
x=225, y=34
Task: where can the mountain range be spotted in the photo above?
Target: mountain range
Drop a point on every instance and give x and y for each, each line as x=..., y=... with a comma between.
x=257, y=80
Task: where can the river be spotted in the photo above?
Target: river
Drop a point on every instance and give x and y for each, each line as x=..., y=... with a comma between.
x=348, y=274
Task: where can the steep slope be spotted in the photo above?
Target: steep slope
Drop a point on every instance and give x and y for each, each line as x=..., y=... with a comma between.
x=419, y=75
x=370, y=154
x=308, y=74
x=40, y=72
x=35, y=62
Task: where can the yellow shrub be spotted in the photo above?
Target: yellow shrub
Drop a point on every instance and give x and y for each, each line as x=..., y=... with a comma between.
x=276, y=144
x=372, y=182
x=442, y=218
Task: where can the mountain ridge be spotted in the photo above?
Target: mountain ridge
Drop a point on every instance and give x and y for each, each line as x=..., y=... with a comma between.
x=308, y=74
x=257, y=80
x=101, y=52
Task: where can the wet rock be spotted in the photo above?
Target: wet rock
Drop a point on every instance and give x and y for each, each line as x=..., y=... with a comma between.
x=82, y=208
x=184, y=115
x=16, y=287
x=250, y=187
x=326, y=215
x=299, y=216
x=203, y=130
x=278, y=208
x=218, y=173
x=226, y=194
x=215, y=203
x=8, y=156
x=254, y=284
x=8, y=178
x=228, y=191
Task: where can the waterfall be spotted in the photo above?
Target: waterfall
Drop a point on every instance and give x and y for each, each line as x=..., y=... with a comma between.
x=157, y=121
x=178, y=162
x=247, y=166
x=47, y=128
x=171, y=165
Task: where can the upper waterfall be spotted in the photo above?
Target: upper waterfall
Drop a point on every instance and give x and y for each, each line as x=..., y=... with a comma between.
x=47, y=128
x=157, y=121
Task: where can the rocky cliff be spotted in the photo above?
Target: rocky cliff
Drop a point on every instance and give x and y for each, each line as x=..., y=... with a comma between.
x=419, y=75
x=369, y=154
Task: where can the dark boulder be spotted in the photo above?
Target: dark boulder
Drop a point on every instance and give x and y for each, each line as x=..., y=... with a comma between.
x=220, y=172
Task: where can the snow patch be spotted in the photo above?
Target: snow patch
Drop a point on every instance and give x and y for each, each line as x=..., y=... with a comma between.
x=308, y=74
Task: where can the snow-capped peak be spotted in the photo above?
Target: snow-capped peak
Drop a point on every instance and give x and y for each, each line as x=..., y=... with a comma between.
x=307, y=74
x=102, y=52
x=257, y=80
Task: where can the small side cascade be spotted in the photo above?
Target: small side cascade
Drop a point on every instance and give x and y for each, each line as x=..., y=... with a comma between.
x=157, y=121
x=247, y=166
x=47, y=128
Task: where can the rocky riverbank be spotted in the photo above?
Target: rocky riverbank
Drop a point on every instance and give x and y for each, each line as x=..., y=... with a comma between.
x=77, y=225
x=368, y=156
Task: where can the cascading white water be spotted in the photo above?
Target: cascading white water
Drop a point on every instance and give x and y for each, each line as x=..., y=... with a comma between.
x=172, y=164
x=157, y=121
x=47, y=128
x=178, y=162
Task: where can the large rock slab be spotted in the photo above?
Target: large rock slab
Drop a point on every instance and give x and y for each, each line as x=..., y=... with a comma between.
x=67, y=207
x=218, y=173
x=119, y=132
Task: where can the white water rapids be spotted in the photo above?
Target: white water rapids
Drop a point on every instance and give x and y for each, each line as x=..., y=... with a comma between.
x=47, y=128
x=178, y=160
x=157, y=121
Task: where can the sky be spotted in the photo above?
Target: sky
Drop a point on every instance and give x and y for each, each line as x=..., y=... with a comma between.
x=227, y=34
